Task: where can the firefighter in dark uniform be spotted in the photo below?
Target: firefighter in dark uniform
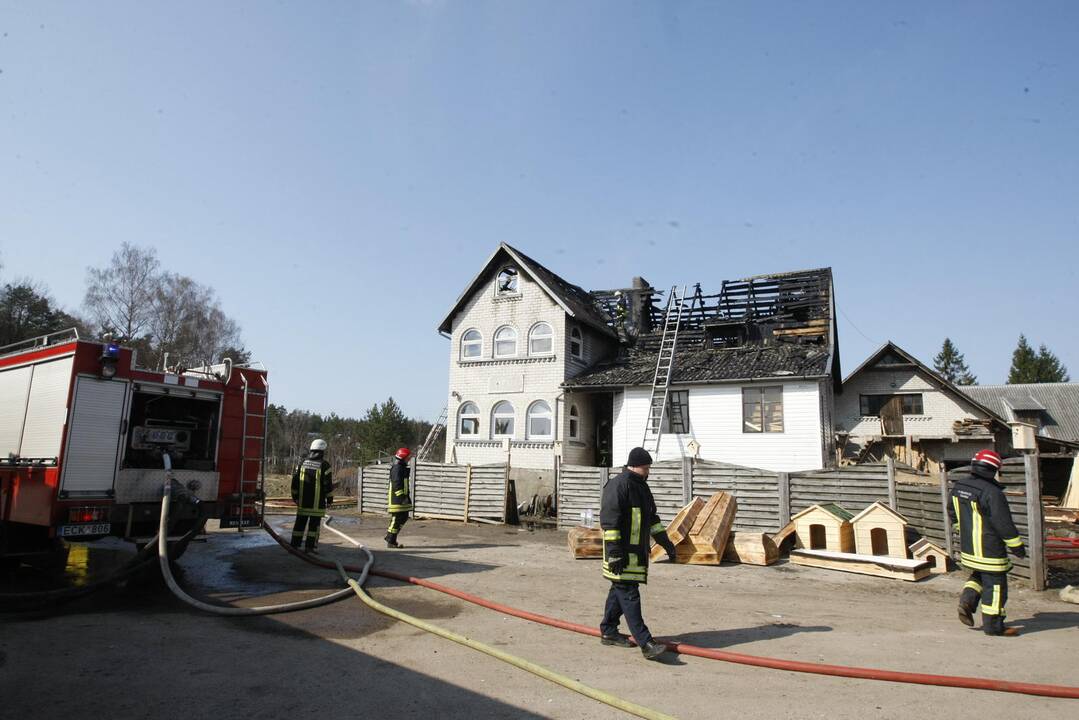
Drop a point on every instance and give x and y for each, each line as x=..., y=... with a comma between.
x=398, y=500
x=629, y=519
x=312, y=491
x=987, y=533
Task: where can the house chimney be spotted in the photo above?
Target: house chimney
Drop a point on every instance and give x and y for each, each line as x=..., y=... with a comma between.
x=640, y=306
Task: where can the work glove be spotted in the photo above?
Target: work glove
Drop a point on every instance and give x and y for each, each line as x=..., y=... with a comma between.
x=1019, y=552
x=616, y=565
x=668, y=547
x=329, y=500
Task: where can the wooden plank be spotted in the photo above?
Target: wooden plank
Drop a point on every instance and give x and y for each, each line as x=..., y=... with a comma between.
x=1036, y=534
x=679, y=528
x=948, y=543
x=585, y=543
x=690, y=552
x=713, y=523
x=751, y=549
x=784, y=497
x=909, y=570
x=786, y=533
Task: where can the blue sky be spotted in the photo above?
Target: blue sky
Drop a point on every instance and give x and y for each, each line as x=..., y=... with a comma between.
x=338, y=171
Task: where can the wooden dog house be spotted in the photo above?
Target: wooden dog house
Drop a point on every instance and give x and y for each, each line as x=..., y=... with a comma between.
x=880, y=531
x=824, y=527
x=933, y=554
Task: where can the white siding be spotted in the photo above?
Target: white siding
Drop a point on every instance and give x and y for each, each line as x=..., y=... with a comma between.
x=940, y=409
x=716, y=423
x=46, y=411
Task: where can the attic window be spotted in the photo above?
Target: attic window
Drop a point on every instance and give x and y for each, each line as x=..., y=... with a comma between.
x=507, y=281
x=727, y=336
x=1031, y=417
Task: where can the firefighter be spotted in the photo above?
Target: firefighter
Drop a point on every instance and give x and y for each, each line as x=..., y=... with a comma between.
x=312, y=491
x=979, y=511
x=398, y=500
x=628, y=517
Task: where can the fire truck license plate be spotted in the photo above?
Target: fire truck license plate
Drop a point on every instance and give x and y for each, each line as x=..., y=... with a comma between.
x=95, y=529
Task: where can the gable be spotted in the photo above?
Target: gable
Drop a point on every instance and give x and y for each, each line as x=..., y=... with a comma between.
x=878, y=508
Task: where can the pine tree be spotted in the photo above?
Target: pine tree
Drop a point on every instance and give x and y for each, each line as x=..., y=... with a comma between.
x=1035, y=367
x=951, y=364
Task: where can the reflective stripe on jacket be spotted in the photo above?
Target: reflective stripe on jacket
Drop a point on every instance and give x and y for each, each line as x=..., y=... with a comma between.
x=980, y=511
x=629, y=520
x=397, y=495
x=312, y=487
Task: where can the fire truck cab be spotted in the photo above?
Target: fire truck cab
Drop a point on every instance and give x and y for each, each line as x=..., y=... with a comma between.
x=83, y=430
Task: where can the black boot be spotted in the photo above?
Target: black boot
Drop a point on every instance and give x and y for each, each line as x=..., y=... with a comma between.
x=966, y=615
x=391, y=541
x=616, y=638
x=652, y=650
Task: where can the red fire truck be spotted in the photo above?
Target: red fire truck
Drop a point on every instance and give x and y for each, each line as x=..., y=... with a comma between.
x=83, y=429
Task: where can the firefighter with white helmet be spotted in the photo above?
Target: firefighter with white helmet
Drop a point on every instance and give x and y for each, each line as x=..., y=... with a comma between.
x=398, y=499
x=312, y=491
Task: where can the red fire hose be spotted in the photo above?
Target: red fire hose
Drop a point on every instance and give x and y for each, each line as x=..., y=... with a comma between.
x=970, y=683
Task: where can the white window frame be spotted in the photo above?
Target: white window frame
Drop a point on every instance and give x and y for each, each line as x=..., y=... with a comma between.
x=534, y=335
x=576, y=336
x=535, y=413
x=465, y=342
x=496, y=415
x=462, y=416
x=574, y=423
x=496, y=341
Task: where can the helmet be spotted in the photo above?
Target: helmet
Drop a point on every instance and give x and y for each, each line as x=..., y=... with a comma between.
x=403, y=454
x=986, y=464
x=318, y=445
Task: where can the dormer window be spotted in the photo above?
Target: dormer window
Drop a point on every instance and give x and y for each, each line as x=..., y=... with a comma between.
x=506, y=284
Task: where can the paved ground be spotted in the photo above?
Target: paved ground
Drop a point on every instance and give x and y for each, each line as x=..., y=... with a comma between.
x=137, y=652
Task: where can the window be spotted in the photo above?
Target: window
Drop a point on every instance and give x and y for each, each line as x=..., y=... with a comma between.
x=871, y=405
x=471, y=345
x=507, y=281
x=540, y=421
x=762, y=409
x=541, y=340
x=576, y=343
x=469, y=423
x=574, y=423
x=677, y=412
x=502, y=420
x=505, y=342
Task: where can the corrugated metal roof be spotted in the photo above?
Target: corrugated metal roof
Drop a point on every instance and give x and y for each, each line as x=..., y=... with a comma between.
x=1060, y=417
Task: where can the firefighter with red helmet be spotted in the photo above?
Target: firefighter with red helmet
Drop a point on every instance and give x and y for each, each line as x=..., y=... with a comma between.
x=398, y=500
x=312, y=491
x=987, y=533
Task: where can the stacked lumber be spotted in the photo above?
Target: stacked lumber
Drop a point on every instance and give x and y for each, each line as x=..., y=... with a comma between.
x=751, y=549
x=877, y=565
x=585, y=543
x=700, y=530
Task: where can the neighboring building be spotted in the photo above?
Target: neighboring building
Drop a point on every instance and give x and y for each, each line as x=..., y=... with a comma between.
x=1053, y=408
x=545, y=368
x=895, y=405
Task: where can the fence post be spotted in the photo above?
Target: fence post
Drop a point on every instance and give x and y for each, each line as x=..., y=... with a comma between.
x=784, y=499
x=468, y=487
x=944, y=509
x=687, y=480
x=893, y=500
x=1035, y=524
x=359, y=490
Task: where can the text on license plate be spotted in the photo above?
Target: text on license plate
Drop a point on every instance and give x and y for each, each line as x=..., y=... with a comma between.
x=92, y=529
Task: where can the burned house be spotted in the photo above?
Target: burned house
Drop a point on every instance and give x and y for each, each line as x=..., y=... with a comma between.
x=540, y=368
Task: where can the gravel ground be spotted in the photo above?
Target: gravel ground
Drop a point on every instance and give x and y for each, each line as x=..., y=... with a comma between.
x=136, y=652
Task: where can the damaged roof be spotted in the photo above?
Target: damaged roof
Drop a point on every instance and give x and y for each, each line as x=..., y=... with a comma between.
x=577, y=302
x=765, y=327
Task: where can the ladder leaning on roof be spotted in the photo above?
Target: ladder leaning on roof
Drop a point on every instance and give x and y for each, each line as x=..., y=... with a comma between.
x=661, y=381
x=432, y=437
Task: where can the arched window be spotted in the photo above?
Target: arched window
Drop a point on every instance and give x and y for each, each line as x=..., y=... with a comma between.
x=540, y=421
x=576, y=343
x=507, y=281
x=505, y=342
x=469, y=420
x=472, y=345
x=502, y=420
x=541, y=339
x=574, y=423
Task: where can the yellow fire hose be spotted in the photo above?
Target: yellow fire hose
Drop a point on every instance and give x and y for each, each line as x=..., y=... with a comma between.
x=566, y=682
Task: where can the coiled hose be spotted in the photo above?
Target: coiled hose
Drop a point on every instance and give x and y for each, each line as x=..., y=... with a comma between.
x=969, y=683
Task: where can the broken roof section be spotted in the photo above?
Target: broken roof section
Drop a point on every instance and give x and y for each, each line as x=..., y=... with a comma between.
x=577, y=302
x=762, y=327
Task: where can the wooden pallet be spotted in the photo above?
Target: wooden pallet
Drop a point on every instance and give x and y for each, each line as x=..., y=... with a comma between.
x=585, y=543
x=879, y=566
x=750, y=549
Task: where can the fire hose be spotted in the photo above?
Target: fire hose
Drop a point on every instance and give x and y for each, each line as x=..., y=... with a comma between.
x=955, y=681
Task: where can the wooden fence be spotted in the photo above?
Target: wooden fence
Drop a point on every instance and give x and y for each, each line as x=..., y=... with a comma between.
x=443, y=492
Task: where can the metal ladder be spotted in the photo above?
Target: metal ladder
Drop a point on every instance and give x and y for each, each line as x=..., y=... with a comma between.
x=432, y=437
x=251, y=490
x=661, y=382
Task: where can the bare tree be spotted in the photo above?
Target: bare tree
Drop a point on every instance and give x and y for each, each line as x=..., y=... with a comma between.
x=119, y=297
